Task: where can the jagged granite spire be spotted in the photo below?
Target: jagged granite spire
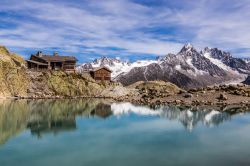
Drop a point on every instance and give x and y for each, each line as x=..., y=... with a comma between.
x=188, y=48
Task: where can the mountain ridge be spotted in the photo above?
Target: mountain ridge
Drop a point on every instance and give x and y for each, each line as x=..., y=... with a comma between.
x=189, y=68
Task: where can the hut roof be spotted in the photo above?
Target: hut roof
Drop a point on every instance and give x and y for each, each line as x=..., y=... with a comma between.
x=102, y=67
x=39, y=63
x=56, y=58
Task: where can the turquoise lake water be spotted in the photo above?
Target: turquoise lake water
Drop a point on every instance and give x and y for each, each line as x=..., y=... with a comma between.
x=96, y=132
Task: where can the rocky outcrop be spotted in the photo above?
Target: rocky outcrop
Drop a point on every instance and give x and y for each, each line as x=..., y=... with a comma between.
x=60, y=84
x=13, y=78
x=145, y=92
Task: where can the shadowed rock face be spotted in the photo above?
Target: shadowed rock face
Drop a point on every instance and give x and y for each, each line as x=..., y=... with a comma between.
x=156, y=72
x=247, y=81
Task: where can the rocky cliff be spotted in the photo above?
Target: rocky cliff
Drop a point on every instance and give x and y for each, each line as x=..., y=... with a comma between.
x=13, y=78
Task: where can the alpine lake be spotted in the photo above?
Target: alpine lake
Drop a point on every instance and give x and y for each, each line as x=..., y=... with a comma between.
x=91, y=132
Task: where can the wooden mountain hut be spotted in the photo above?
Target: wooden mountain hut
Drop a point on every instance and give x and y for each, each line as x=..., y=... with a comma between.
x=52, y=62
x=101, y=74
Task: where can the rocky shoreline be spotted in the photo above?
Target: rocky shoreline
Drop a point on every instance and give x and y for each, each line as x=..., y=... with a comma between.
x=229, y=98
x=222, y=96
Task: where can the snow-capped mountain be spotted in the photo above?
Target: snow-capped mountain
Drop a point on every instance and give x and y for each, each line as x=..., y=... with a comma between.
x=226, y=60
x=188, y=69
x=116, y=65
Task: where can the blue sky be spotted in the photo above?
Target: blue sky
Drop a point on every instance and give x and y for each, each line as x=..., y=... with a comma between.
x=129, y=29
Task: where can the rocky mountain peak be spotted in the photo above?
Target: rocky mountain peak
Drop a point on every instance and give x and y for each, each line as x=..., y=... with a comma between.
x=206, y=49
x=188, y=46
x=188, y=49
x=106, y=61
x=217, y=53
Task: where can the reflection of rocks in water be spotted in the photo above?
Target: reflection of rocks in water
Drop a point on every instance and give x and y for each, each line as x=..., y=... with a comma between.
x=46, y=126
x=53, y=116
x=102, y=110
x=190, y=117
x=57, y=116
x=54, y=119
x=13, y=118
x=46, y=116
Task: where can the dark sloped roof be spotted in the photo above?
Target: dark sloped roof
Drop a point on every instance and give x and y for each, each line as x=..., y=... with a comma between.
x=39, y=63
x=57, y=58
x=102, y=67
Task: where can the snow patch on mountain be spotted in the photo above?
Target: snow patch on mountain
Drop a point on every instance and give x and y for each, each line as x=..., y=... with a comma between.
x=120, y=68
x=117, y=66
x=219, y=63
x=196, y=71
x=178, y=67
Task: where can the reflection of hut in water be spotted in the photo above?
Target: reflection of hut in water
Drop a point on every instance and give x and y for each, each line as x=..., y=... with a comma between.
x=51, y=126
x=102, y=110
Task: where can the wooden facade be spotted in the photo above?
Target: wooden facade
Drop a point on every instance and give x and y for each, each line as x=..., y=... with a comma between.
x=52, y=62
x=101, y=74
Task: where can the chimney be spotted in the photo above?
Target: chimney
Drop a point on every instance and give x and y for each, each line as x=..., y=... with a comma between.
x=55, y=54
x=39, y=54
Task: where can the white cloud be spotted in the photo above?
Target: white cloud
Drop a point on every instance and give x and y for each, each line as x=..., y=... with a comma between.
x=122, y=23
x=58, y=25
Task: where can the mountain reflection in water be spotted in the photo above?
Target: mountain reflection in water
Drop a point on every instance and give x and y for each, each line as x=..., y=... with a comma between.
x=54, y=116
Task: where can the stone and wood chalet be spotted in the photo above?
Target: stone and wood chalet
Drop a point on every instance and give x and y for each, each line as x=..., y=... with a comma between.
x=52, y=62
